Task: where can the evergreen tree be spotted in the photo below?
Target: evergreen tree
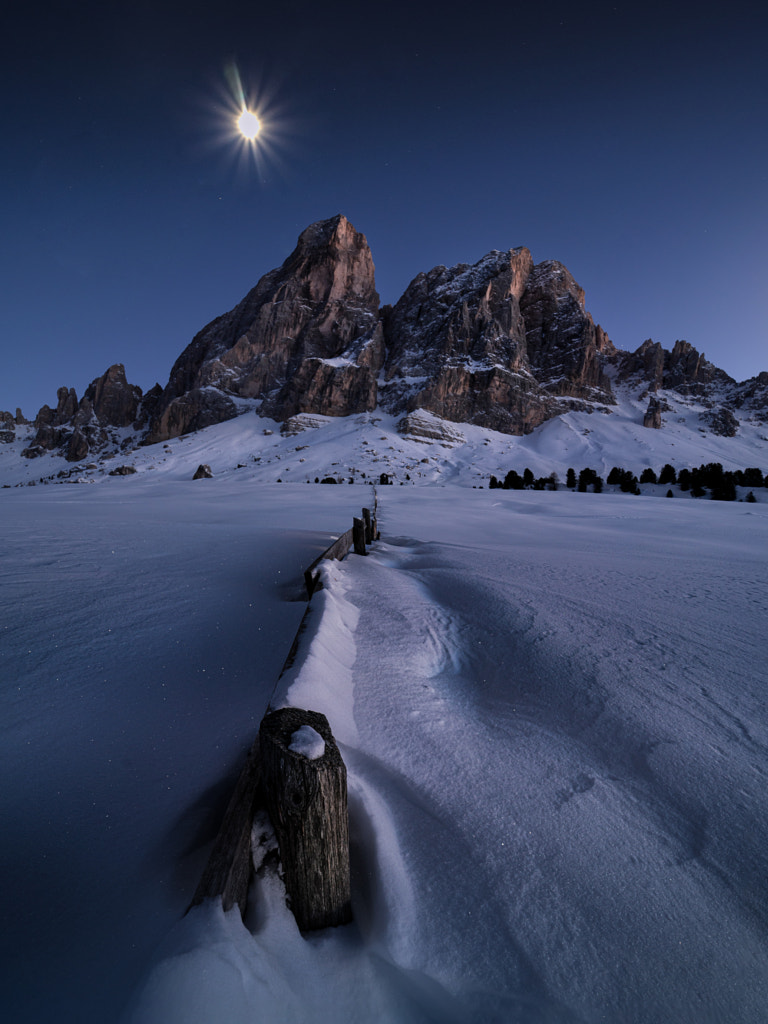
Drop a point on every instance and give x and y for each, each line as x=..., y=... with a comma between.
x=527, y=477
x=667, y=475
x=751, y=498
x=513, y=481
x=684, y=479
x=648, y=476
x=570, y=478
x=752, y=477
x=628, y=482
x=669, y=494
x=724, y=489
x=614, y=477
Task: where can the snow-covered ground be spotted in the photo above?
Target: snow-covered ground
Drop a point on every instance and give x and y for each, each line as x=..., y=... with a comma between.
x=143, y=631
x=552, y=711
x=550, y=704
x=362, y=447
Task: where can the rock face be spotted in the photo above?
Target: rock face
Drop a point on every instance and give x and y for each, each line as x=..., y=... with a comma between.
x=683, y=369
x=652, y=416
x=721, y=421
x=503, y=343
x=75, y=429
x=305, y=339
x=499, y=344
x=7, y=428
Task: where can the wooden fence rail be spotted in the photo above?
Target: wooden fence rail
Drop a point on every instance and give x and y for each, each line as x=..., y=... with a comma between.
x=315, y=788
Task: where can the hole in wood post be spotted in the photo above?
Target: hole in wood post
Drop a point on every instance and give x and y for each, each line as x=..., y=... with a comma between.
x=307, y=802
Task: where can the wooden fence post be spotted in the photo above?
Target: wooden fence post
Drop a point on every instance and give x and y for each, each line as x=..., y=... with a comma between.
x=307, y=801
x=228, y=870
x=368, y=526
x=358, y=536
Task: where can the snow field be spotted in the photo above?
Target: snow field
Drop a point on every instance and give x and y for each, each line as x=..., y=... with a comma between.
x=552, y=712
x=142, y=634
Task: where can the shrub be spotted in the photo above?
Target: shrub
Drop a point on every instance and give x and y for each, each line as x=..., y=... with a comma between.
x=750, y=497
x=669, y=494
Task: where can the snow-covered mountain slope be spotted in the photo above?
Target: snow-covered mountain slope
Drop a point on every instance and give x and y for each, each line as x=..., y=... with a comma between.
x=362, y=447
x=504, y=344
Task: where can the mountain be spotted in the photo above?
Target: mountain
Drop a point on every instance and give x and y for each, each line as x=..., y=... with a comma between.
x=503, y=344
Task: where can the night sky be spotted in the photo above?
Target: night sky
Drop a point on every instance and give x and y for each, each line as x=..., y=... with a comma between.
x=629, y=141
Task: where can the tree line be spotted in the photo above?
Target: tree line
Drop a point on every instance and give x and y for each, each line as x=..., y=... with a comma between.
x=709, y=478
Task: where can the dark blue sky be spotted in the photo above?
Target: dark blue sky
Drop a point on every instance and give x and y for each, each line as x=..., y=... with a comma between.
x=628, y=141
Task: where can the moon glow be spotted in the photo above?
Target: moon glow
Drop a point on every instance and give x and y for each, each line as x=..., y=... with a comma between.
x=248, y=124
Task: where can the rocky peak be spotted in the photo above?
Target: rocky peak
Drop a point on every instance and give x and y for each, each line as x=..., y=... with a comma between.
x=77, y=428
x=498, y=343
x=460, y=313
x=683, y=369
x=67, y=405
x=566, y=349
x=320, y=305
x=112, y=399
x=501, y=343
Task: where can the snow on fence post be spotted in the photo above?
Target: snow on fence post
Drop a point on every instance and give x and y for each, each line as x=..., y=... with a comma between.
x=338, y=550
x=306, y=795
x=358, y=535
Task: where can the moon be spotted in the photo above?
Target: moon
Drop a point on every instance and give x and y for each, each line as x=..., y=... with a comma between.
x=249, y=125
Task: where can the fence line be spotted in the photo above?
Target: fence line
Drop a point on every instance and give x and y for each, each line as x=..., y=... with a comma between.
x=228, y=871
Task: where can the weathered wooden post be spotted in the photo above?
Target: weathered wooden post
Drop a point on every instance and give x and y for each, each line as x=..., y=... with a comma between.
x=367, y=521
x=306, y=795
x=358, y=536
x=228, y=870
